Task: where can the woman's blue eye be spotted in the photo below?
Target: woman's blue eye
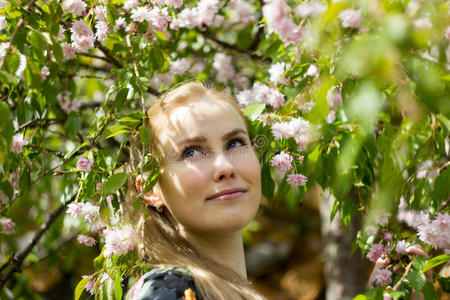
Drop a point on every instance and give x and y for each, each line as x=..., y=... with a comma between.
x=189, y=152
x=236, y=142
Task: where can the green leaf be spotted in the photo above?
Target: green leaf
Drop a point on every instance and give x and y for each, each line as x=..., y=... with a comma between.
x=114, y=130
x=429, y=292
x=115, y=182
x=117, y=287
x=80, y=287
x=417, y=280
x=72, y=126
x=121, y=97
x=146, y=136
x=348, y=211
x=156, y=58
x=160, y=35
x=436, y=261
x=6, y=125
x=334, y=209
x=419, y=262
x=267, y=184
x=99, y=261
x=12, y=62
x=360, y=297
x=69, y=154
x=252, y=111
x=244, y=38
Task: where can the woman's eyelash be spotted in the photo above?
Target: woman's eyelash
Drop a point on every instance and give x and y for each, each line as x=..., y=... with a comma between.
x=196, y=146
x=238, y=139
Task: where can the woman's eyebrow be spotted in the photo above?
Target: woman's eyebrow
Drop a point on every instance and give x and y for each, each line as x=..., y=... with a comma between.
x=202, y=139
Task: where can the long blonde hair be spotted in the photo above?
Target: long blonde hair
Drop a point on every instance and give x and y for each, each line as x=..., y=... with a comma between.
x=160, y=240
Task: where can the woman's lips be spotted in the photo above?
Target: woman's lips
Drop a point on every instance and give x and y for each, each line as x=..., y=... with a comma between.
x=227, y=194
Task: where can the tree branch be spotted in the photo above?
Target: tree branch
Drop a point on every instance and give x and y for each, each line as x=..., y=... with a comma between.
x=408, y=268
x=16, y=265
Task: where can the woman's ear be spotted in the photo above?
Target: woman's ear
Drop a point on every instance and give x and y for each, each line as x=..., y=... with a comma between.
x=152, y=197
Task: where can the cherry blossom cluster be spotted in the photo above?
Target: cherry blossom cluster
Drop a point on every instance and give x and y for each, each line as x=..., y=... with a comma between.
x=85, y=164
x=260, y=93
x=118, y=241
x=297, y=128
x=18, y=142
x=83, y=210
x=7, y=225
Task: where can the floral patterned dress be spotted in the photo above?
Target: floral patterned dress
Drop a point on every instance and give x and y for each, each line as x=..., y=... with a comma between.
x=173, y=283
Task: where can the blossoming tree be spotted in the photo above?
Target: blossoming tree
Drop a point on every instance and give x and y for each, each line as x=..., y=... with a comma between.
x=350, y=95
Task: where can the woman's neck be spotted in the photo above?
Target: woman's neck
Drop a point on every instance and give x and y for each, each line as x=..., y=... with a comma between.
x=227, y=249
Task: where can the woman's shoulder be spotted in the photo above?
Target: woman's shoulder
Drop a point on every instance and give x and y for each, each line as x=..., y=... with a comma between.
x=165, y=283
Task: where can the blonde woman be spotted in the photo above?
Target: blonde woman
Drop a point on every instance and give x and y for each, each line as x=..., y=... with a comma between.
x=207, y=191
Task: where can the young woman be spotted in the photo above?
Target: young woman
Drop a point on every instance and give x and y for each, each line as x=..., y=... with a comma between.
x=208, y=190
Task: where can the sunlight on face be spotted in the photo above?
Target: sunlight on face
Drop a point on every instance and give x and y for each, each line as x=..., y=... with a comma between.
x=206, y=150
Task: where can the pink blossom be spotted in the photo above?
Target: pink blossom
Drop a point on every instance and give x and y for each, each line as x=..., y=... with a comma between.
x=187, y=18
x=102, y=30
x=382, y=276
x=8, y=225
x=80, y=28
x=83, y=210
x=17, y=143
x=3, y=198
x=206, y=10
x=68, y=51
x=383, y=218
x=387, y=296
x=350, y=18
x=60, y=34
x=437, y=232
x=83, y=43
x=2, y=23
x=312, y=71
x=310, y=9
x=422, y=24
x=90, y=285
x=297, y=179
x=159, y=18
x=245, y=97
x=277, y=71
x=401, y=246
x=85, y=164
x=224, y=67
x=86, y=240
x=118, y=241
x=69, y=106
x=245, y=12
x=3, y=4
x=44, y=72
x=276, y=13
x=110, y=198
x=75, y=7
x=447, y=33
x=282, y=161
x=74, y=209
x=334, y=97
x=180, y=66
x=426, y=169
x=140, y=14
x=298, y=128
x=100, y=13
x=331, y=117
x=129, y=4
x=375, y=252
x=307, y=106
x=120, y=23
x=174, y=3
x=98, y=186
x=388, y=236
x=371, y=230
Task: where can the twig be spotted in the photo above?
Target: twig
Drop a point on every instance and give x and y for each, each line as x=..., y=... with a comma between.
x=18, y=260
x=32, y=122
x=108, y=55
x=408, y=268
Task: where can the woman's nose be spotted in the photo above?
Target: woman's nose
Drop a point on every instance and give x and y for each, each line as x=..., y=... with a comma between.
x=223, y=167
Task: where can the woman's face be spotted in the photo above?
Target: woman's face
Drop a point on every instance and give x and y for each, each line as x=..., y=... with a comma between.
x=206, y=150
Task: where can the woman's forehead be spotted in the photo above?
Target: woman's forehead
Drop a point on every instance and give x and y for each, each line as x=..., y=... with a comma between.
x=198, y=118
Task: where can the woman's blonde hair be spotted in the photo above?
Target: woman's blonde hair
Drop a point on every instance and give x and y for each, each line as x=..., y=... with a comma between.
x=160, y=240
